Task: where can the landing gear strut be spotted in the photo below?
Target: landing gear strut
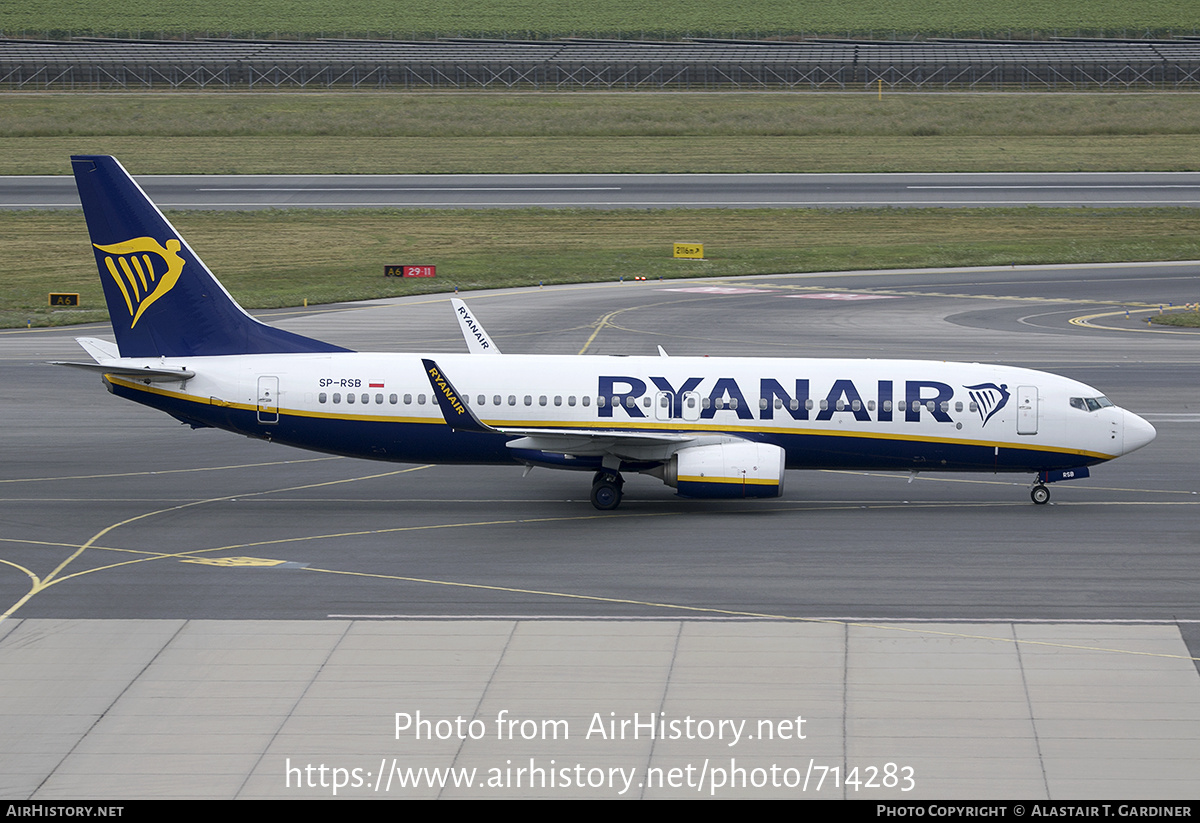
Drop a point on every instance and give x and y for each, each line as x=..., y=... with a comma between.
x=606, y=489
x=1039, y=494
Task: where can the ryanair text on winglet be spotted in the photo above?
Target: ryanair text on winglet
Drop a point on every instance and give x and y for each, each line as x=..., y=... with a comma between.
x=445, y=389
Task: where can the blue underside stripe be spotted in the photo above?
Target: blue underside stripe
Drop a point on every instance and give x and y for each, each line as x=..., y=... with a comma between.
x=409, y=442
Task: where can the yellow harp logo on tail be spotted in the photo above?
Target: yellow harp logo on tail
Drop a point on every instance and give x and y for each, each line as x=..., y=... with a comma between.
x=133, y=269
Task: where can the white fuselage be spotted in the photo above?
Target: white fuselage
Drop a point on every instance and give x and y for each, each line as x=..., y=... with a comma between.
x=922, y=415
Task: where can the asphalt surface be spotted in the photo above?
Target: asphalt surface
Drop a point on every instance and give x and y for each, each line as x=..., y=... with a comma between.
x=195, y=614
x=630, y=191
x=356, y=538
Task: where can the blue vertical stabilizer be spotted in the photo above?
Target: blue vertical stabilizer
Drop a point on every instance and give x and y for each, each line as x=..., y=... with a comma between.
x=162, y=299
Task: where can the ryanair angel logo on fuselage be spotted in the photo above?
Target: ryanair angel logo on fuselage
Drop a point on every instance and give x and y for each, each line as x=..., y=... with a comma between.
x=989, y=398
x=143, y=270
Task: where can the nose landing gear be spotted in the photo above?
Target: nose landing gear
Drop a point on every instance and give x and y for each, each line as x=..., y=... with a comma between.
x=1039, y=494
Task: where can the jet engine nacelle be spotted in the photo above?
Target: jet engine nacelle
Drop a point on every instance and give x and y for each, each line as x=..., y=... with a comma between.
x=727, y=470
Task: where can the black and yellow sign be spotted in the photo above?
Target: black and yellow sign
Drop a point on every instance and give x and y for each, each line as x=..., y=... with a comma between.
x=691, y=251
x=63, y=299
x=410, y=271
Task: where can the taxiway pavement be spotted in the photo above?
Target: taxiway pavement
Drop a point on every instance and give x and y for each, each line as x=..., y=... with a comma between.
x=173, y=557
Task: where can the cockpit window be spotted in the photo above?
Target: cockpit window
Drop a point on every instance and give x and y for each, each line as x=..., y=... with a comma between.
x=1090, y=404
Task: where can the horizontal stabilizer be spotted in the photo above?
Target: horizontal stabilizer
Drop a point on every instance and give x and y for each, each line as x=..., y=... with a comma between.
x=144, y=373
x=100, y=350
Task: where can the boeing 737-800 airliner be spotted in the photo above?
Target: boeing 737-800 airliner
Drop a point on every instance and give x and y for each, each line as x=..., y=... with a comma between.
x=708, y=427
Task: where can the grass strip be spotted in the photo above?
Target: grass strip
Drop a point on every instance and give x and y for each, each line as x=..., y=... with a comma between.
x=364, y=132
x=599, y=155
x=600, y=18
x=1185, y=319
x=280, y=258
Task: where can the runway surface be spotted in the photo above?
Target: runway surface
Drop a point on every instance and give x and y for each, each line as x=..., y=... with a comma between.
x=114, y=512
x=611, y=191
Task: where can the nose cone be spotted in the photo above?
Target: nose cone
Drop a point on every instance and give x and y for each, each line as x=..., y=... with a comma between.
x=1138, y=432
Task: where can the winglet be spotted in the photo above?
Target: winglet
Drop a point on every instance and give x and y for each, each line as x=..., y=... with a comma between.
x=477, y=339
x=454, y=407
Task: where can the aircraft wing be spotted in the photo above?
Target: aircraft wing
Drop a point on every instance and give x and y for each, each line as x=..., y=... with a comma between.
x=639, y=445
x=585, y=443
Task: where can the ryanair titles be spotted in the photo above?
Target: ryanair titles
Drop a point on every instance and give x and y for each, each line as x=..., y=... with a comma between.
x=443, y=386
x=884, y=400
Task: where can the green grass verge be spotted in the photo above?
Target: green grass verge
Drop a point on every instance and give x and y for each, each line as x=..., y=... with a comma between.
x=598, y=133
x=604, y=18
x=600, y=155
x=280, y=258
x=1186, y=319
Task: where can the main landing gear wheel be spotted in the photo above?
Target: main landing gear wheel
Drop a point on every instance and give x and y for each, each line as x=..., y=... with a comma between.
x=606, y=490
x=1039, y=494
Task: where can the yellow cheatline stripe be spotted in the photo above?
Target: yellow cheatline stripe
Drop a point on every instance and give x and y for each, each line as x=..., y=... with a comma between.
x=632, y=428
x=748, y=481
